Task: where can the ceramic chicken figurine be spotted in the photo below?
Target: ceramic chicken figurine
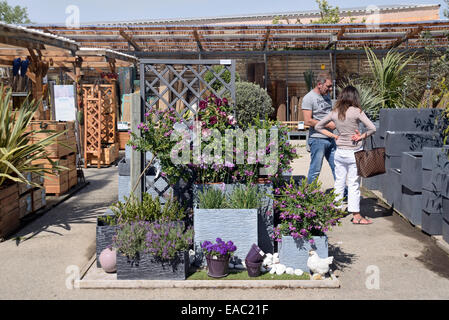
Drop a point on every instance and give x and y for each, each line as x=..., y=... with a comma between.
x=318, y=267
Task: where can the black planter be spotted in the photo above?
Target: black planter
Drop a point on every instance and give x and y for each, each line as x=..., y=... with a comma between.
x=104, y=234
x=411, y=205
x=397, y=142
x=432, y=223
x=146, y=267
x=411, y=171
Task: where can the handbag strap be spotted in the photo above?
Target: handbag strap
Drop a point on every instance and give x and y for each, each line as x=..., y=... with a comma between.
x=372, y=144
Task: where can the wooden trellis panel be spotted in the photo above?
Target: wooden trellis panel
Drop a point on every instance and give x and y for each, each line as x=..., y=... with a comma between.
x=100, y=116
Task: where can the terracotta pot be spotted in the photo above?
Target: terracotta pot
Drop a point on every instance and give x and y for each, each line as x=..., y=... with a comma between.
x=217, y=266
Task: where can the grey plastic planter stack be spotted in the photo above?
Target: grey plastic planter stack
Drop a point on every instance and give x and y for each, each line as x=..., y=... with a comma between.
x=294, y=253
x=411, y=181
x=237, y=225
x=393, y=188
x=146, y=267
x=445, y=195
x=265, y=221
x=104, y=234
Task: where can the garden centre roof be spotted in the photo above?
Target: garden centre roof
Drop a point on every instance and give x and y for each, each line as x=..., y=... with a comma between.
x=217, y=38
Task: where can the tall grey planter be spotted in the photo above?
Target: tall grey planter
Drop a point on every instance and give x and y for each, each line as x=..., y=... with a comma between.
x=265, y=221
x=147, y=267
x=446, y=208
x=373, y=183
x=411, y=206
x=397, y=142
x=237, y=225
x=411, y=168
x=445, y=230
x=436, y=158
x=408, y=120
x=294, y=253
x=432, y=223
x=393, y=188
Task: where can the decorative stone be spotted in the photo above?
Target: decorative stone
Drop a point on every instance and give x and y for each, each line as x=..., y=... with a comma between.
x=231, y=266
x=289, y=270
x=273, y=269
x=239, y=267
x=108, y=260
x=262, y=269
x=280, y=269
x=299, y=272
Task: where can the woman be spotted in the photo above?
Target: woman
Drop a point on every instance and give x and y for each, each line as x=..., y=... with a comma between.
x=347, y=114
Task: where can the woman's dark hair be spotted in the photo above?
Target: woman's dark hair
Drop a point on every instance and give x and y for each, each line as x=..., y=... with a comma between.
x=349, y=97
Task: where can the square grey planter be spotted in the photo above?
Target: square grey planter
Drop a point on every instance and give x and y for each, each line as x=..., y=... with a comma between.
x=436, y=158
x=373, y=183
x=408, y=120
x=147, y=267
x=445, y=230
x=436, y=182
x=432, y=202
x=265, y=220
x=445, y=202
x=237, y=225
x=392, y=162
x=393, y=188
x=426, y=176
x=104, y=234
x=411, y=168
x=397, y=142
x=411, y=205
x=445, y=186
x=432, y=223
x=294, y=253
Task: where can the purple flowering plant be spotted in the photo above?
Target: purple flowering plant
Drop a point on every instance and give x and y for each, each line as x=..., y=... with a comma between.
x=219, y=248
x=305, y=211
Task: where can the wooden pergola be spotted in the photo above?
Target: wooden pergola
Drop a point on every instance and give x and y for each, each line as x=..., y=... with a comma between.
x=228, y=38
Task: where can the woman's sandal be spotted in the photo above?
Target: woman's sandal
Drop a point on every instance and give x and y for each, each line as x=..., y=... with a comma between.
x=358, y=221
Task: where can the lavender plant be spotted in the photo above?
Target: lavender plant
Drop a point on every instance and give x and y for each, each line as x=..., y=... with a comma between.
x=130, y=238
x=305, y=211
x=220, y=248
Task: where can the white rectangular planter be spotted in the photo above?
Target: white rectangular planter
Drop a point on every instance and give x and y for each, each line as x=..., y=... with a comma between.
x=294, y=253
x=237, y=225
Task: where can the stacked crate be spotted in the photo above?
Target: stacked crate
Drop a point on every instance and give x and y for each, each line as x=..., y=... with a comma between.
x=62, y=152
x=31, y=198
x=9, y=209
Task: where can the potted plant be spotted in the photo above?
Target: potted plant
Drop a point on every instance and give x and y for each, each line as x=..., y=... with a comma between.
x=131, y=210
x=153, y=250
x=217, y=256
x=228, y=215
x=306, y=214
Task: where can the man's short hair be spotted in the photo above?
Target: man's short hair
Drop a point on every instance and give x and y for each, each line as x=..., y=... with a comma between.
x=322, y=77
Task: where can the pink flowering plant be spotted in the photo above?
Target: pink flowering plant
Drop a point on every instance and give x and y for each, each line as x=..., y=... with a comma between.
x=305, y=211
x=219, y=248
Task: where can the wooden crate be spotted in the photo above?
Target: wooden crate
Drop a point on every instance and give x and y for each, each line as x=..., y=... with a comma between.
x=109, y=155
x=123, y=138
x=73, y=178
x=9, y=209
x=71, y=161
x=57, y=184
x=56, y=150
x=25, y=204
x=38, y=198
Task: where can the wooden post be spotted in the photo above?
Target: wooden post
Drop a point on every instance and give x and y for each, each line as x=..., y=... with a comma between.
x=136, y=159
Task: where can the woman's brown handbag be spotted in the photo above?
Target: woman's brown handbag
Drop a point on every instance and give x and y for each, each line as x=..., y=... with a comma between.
x=370, y=162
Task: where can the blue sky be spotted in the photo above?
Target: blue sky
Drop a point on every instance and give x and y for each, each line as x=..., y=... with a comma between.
x=54, y=11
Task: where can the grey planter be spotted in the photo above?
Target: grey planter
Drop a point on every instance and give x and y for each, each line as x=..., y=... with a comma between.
x=445, y=202
x=294, y=253
x=435, y=158
x=265, y=220
x=373, y=183
x=432, y=223
x=237, y=225
x=397, y=142
x=432, y=202
x=407, y=120
x=147, y=267
x=445, y=186
x=411, y=205
x=411, y=168
x=128, y=150
x=436, y=182
x=445, y=230
x=426, y=176
x=392, y=162
x=393, y=188
x=104, y=234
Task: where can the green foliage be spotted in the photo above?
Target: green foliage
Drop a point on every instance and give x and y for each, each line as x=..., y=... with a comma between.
x=328, y=14
x=130, y=238
x=16, y=15
x=309, y=78
x=244, y=197
x=251, y=101
x=212, y=198
x=276, y=20
x=150, y=209
x=16, y=152
x=225, y=76
x=370, y=101
x=305, y=210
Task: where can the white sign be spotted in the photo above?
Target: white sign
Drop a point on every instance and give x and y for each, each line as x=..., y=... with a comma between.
x=65, y=108
x=301, y=125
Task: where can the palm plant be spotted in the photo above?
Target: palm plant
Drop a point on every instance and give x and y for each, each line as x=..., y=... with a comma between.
x=17, y=153
x=370, y=100
x=389, y=78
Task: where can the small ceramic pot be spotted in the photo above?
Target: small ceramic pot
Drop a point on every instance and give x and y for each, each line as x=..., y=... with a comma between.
x=108, y=260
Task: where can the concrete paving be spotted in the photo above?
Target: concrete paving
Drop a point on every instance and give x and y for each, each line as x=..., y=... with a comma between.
x=389, y=259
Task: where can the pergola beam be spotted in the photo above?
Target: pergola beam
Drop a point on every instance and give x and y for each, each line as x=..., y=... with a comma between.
x=335, y=38
x=130, y=40
x=265, y=40
x=409, y=35
x=197, y=38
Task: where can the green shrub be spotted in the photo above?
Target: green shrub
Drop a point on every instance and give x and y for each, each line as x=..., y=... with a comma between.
x=211, y=198
x=244, y=197
x=225, y=76
x=251, y=101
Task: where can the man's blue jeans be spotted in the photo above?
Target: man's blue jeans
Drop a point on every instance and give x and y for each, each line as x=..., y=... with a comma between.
x=320, y=148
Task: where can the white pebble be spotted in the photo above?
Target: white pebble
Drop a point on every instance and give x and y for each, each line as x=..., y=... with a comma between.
x=273, y=270
x=276, y=260
x=280, y=269
x=299, y=272
x=275, y=255
x=289, y=271
x=267, y=261
x=269, y=255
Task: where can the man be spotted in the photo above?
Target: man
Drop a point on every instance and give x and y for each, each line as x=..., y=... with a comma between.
x=315, y=106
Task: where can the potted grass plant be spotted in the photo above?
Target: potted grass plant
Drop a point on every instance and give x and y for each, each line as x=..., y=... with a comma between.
x=306, y=214
x=228, y=215
x=153, y=250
